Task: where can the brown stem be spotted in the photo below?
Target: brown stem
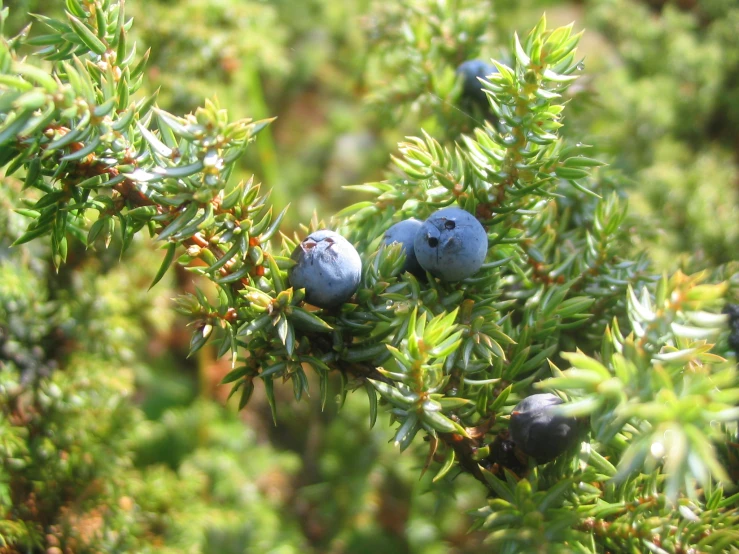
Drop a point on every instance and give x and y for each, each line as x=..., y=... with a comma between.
x=464, y=449
x=127, y=189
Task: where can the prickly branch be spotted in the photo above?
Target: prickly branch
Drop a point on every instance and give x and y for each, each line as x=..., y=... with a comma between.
x=449, y=360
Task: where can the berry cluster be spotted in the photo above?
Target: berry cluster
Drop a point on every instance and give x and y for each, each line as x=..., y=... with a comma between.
x=450, y=245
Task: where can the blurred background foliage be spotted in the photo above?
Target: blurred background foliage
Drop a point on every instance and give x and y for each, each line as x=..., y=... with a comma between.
x=136, y=446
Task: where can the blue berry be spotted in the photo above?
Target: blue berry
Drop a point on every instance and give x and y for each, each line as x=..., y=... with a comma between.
x=451, y=244
x=328, y=268
x=405, y=233
x=538, y=431
x=471, y=86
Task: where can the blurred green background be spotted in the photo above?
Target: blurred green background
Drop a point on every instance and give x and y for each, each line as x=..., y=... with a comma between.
x=147, y=455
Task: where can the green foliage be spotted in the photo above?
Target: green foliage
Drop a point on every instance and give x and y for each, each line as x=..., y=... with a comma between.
x=422, y=44
x=667, y=116
x=82, y=469
x=68, y=477
x=564, y=283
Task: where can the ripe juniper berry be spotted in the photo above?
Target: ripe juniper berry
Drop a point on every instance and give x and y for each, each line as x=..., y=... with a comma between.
x=405, y=233
x=328, y=268
x=451, y=244
x=538, y=431
x=471, y=71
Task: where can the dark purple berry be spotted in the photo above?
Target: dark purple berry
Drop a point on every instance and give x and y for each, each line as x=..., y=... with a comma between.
x=503, y=455
x=732, y=310
x=538, y=431
x=472, y=71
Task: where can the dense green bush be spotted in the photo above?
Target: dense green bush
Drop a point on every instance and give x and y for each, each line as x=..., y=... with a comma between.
x=667, y=119
x=114, y=432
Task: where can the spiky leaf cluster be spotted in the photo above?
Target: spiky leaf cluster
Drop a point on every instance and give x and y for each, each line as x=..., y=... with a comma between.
x=659, y=389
